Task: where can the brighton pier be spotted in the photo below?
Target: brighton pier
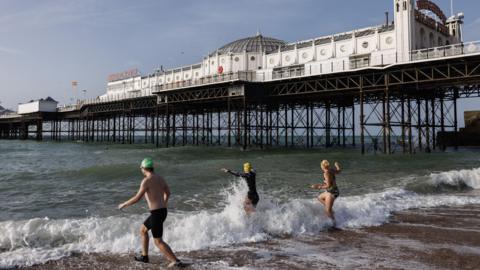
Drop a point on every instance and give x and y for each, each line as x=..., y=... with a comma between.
x=388, y=88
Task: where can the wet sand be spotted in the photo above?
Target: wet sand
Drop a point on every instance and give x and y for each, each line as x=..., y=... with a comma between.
x=438, y=238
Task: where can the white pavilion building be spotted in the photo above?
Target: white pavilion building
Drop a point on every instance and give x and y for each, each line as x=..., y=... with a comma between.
x=417, y=25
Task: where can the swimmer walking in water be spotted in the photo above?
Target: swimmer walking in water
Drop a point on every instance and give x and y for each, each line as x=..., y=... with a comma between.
x=249, y=175
x=328, y=197
x=157, y=193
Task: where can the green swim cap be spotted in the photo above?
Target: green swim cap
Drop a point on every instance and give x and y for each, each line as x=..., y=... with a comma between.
x=147, y=163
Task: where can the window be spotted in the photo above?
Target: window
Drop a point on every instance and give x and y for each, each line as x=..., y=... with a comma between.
x=236, y=59
x=252, y=58
x=389, y=40
x=404, y=5
x=271, y=61
x=323, y=52
x=343, y=48
x=287, y=58
x=398, y=7
x=305, y=55
x=423, y=38
x=365, y=45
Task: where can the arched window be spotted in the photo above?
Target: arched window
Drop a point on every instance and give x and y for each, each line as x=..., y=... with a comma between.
x=404, y=5
x=431, y=40
x=398, y=7
x=440, y=41
x=423, y=38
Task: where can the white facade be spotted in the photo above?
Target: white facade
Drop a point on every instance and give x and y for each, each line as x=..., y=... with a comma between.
x=413, y=29
x=42, y=105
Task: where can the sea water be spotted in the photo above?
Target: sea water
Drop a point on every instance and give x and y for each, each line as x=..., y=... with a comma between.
x=57, y=199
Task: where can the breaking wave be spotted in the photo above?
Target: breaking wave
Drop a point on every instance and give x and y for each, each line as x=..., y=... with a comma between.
x=38, y=240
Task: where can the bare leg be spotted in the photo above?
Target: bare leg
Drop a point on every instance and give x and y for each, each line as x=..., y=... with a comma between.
x=248, y=206
x=145, y=239
x=165, y=249
x=329, y=200
x=321, y=198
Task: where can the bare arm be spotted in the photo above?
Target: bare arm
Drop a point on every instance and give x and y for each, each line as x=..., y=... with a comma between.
x=338, y=168
x=137, y=197
x=166, y=194
x=231, y=172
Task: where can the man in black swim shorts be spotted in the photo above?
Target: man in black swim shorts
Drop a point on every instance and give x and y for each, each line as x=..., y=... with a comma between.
x=157, y=193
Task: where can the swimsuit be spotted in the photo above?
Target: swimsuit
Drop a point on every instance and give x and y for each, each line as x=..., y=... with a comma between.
x=155, y=222
x=252, y=194
x=334, y=189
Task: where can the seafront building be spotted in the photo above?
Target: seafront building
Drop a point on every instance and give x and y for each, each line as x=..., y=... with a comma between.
x=417, y=25
x=386, y=87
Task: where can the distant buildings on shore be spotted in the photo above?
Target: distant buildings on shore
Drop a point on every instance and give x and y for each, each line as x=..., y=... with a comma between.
x=4, y=111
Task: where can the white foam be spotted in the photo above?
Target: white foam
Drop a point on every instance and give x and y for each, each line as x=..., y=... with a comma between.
x=38, y=240
x=470, y=178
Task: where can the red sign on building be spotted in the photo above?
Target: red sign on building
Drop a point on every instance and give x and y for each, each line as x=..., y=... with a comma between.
x=123, y=75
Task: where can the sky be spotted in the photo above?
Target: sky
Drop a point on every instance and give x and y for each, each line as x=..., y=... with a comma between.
x=45, y=45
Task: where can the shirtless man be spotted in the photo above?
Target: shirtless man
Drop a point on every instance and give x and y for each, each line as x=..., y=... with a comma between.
x=328, y=197
x=157, y=193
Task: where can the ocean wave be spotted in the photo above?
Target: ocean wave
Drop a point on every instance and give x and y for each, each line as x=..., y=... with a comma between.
x=38, y=240
x=470, y=178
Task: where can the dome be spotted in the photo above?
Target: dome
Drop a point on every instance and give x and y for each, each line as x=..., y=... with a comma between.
x=257, y=43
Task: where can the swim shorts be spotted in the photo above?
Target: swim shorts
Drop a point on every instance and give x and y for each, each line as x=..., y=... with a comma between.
x=155, y=222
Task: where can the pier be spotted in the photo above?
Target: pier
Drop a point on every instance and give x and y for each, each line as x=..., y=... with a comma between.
x=395, y=108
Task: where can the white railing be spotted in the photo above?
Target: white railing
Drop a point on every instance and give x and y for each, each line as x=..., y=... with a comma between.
x=446, y=51
x=68, y=108
x=226, y=77
x=9, y=115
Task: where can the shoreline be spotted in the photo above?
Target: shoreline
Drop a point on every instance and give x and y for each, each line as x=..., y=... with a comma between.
x=433, y=238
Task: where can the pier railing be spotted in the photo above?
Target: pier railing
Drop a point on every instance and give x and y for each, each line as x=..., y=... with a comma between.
x=220, y=78
x=446, y=51
x=9, y=115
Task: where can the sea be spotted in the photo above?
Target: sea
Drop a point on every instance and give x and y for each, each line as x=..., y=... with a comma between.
x=60, y=199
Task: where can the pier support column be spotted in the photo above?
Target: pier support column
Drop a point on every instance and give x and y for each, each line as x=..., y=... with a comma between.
x=455, y=118
x=39, y=131
x=327, y=124
x=409, y=125
x=245, y=124
x=362, y=117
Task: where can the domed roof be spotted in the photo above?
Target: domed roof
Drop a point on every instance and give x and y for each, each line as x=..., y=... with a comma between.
x=257, y=43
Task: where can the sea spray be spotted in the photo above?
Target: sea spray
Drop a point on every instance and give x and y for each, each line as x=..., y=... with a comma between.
x=38, y=240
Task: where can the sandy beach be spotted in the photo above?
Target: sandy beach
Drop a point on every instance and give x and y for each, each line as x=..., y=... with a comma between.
x=436, y=238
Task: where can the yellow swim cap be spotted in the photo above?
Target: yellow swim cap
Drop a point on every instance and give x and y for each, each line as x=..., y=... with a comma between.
x=324, y=164
x=247, y=167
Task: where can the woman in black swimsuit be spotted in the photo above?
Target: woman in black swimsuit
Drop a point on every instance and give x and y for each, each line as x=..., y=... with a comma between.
x=252, y=198
x=328, y=197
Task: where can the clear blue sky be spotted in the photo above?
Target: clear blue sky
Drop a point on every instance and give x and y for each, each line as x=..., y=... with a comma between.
x=44, y=45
